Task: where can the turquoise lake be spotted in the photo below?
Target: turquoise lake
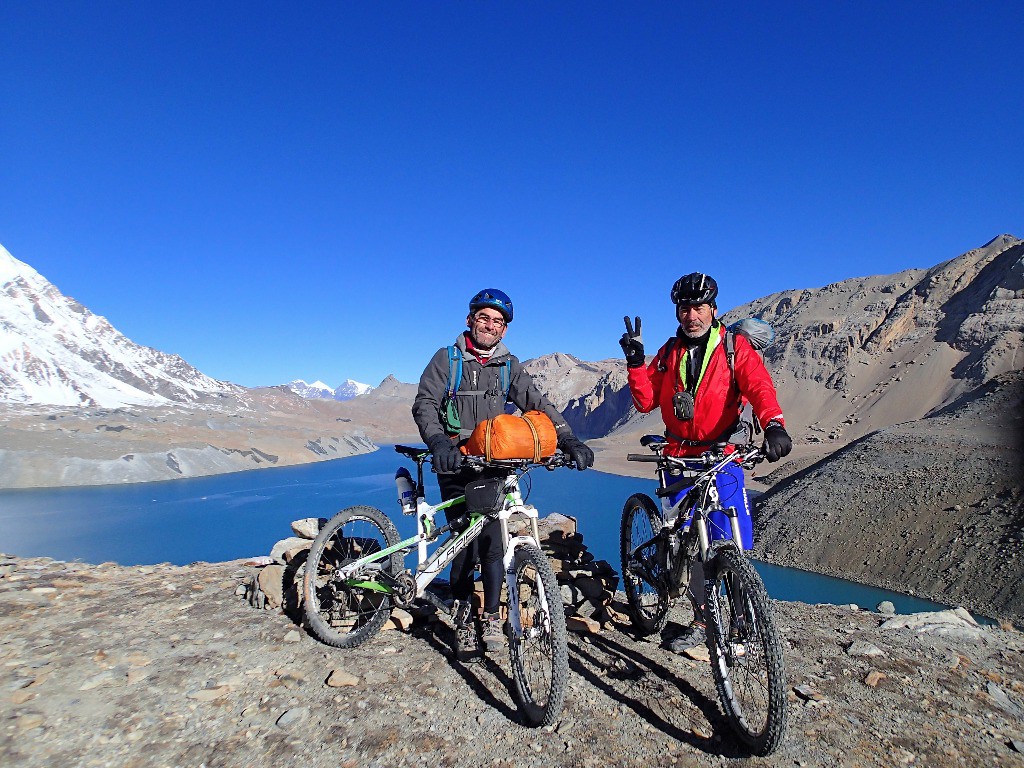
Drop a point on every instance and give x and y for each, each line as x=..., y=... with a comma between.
x=226, y=517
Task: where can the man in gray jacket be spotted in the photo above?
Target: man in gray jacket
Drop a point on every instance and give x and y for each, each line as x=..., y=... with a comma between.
x=490, y=377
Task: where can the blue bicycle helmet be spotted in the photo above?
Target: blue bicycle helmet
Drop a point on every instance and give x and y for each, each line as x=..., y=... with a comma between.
x=495, y=299
x=695, y=288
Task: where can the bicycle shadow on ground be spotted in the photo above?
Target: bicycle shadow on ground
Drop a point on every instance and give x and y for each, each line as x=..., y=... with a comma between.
x=657, y=694
x=481, y=676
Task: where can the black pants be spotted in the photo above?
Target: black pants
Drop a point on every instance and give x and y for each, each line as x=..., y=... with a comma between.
x=485, y=549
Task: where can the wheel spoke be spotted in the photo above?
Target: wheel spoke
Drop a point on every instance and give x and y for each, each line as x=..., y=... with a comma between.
x=642, y=565
x=339, y=611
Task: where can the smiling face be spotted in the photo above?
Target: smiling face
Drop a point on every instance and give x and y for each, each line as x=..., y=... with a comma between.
x=695, y=319
x=486, y=327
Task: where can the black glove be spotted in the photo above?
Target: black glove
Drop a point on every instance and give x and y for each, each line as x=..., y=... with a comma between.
x=632, y=345
x=447, y=457
x=578, y=451
x=777, y=442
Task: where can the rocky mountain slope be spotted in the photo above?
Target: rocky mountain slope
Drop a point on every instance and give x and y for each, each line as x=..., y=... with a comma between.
x=862, y=354
x=54, y=351
x=933, y=506
x=163, y=665
x=82, y=404
x=593, y=397
x=866, y=353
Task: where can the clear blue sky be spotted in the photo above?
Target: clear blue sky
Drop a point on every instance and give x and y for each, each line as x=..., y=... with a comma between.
x=277, y=192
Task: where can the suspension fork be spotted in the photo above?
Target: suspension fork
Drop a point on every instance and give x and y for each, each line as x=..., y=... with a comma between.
x=514, y=505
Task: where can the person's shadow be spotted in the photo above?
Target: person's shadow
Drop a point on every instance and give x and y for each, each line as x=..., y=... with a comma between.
x=483, y=675
x=637, y=681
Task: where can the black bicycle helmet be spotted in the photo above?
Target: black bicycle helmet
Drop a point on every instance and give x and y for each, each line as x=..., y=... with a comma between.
x=695, y=288
x=495, y=299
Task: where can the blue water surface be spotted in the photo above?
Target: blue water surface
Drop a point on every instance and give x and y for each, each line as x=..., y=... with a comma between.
x=226, y=517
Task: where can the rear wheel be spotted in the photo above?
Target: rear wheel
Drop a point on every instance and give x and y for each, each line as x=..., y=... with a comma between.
x=642, y=566
x=345, y=613
x=746, y=653
x=539, y=650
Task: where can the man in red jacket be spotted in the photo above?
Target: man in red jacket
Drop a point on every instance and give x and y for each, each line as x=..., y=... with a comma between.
x=700, y=399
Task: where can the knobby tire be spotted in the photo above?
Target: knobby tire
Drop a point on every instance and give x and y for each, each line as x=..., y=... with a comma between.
x=540, y=657
x=746, y=652
x=648, y=599
x=340, y=615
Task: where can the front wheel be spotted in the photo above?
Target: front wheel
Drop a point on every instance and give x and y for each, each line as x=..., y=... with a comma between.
x=345, y=613
x=537, y=638
x=642, y=566
x=746, y=653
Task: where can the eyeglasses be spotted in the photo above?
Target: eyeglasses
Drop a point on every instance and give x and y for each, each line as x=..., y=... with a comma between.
x=484, y=320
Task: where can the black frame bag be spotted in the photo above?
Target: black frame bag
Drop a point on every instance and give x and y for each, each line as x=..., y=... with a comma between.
x=485, y=495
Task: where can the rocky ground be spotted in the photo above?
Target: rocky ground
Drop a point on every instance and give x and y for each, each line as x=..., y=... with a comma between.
x=169, y=666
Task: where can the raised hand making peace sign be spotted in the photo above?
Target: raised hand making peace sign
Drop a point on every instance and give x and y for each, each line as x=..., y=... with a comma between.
x=632, y=344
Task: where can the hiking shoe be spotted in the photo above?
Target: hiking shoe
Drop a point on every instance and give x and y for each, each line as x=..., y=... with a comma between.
x=493, y=631
x=690, y=637
x=467, y=647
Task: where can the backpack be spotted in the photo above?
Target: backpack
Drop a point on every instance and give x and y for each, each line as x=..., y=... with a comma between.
x=449, y=411
x=760, y=335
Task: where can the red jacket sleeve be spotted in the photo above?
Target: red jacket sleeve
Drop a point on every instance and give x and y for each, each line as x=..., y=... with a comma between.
x=645, y=384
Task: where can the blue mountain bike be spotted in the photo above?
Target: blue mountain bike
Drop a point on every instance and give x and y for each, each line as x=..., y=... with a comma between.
x=661, y=543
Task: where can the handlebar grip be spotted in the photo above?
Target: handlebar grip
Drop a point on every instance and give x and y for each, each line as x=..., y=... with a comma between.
x=649, y=457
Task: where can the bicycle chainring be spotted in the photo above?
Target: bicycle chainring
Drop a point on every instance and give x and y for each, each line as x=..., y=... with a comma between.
x=404, y=589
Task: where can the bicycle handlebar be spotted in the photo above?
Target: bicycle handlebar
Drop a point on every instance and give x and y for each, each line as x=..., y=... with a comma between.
x=743, y=454
x=558, y=459
x=423, y=455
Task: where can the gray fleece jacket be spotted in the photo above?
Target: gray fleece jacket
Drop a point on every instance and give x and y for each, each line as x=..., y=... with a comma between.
x=480, y=392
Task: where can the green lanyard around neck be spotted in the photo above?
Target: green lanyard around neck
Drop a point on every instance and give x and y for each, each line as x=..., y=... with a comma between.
x=708, y=349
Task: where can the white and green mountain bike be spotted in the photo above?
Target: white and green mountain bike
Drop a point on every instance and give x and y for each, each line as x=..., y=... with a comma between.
x=354, y=575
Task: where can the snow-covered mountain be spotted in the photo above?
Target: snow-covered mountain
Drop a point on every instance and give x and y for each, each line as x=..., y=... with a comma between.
x=320, y=391
x=349, y=389
x=315, y=391
x=54, y=351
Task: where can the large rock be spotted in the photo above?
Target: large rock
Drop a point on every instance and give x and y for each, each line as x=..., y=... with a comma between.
x=277, y=553
x=308, y=527
x=271, y=584
x=956, y=622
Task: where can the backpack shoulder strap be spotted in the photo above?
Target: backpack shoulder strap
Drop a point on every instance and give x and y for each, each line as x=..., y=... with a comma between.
x=730, y=351
x=506, y=377
x=454, y=370
x=666, y=353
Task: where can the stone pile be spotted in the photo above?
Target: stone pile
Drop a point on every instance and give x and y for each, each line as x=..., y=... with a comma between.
x=587, y=585
x=277, y=585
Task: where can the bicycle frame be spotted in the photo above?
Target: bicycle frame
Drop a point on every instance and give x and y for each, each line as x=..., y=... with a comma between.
x=688, y=516
x=701, y=499
x=428, y=568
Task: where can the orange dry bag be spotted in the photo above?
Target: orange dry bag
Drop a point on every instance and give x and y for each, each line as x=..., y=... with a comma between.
x=530, y=436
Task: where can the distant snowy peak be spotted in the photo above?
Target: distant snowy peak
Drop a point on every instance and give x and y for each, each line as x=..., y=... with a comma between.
x=315, y=391
x=320, y=391
x=349, y=389
x=54, y=351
